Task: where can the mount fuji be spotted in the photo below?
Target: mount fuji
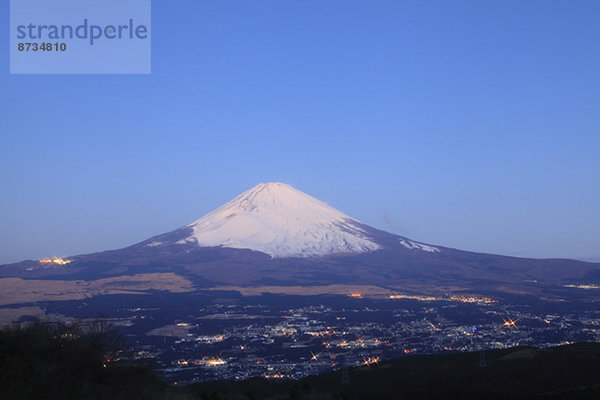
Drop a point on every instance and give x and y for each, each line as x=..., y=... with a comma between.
x=276, y=219
x=274, y=236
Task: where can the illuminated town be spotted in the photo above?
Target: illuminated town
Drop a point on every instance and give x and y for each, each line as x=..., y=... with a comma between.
x=55, y=260
x=198, y=338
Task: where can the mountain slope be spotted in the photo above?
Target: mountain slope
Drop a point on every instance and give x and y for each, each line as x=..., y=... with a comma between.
x=274, y=235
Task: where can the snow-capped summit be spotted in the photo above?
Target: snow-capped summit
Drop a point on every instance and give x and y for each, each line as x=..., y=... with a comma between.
x=276, y=219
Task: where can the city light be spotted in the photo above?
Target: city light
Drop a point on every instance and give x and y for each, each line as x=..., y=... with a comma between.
x=410, y=297
x=454, y=298
x=370, y=360
x=274, y=376
x=510, y=323
x=587, y=287
x=55, y=260
x=215, y=362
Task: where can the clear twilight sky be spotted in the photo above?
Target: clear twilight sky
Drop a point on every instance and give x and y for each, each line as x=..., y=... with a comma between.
x=469, y=124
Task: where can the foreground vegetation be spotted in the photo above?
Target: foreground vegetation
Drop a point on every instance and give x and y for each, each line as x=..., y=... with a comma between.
x=57, y=361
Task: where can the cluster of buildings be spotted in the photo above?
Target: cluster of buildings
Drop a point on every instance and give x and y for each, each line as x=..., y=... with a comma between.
x=279, y=342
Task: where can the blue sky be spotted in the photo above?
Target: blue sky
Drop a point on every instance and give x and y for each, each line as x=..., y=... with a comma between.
x=470, y=124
